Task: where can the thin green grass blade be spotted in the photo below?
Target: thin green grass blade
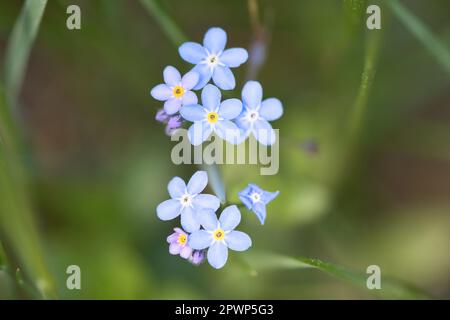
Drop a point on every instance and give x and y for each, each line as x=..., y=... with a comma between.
x=19, y=46
x=166, y=23
x=432, y=43
x=18, y=232
x=390, y=288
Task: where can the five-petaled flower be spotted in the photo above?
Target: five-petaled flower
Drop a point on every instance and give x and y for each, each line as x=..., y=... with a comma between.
x=178, y=244
x=187, y=201
x=212, y=116
x=219, y=235
x=256, y=199
x=212, y=60
x=176, y=89
x=256, y=114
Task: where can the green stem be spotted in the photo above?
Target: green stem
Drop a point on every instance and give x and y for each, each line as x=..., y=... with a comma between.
x=167, y=24
x=367, y=77
x=435, y=46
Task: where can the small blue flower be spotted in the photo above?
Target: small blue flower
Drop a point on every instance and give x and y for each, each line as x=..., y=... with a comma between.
x=187, y=200
x=212, y=60
x=256, y=114
x=256, y=199
x=213, y=116
x=176, y=90
x=219, y=235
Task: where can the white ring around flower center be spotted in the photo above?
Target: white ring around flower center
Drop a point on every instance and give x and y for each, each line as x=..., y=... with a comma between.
x=186, y=200
x=252, y=115
x=212, y=60
x=255, y=197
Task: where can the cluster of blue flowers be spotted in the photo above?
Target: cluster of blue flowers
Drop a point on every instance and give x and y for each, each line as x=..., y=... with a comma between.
x=201, y=229
x=232, y=119
x=203, y=235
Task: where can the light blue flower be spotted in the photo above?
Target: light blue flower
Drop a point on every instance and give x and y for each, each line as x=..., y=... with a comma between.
x=257, y=113
x=219, y=235
x=256, y=199
x=176, y=91
x=212, y=60
x=187, y=200
x=212, y=116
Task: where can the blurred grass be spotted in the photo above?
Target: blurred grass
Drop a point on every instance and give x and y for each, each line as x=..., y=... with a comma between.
x=168, y=25
x=17, y=224
x=390, y=288
x=431, y=42
x=19, y=46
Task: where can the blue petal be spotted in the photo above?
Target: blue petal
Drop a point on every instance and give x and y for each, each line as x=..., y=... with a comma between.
x=193, y=113
x=230, y=218
x=171, y=76
x=227, y=130
x=205, y=73
x=176, y=187
x=217, y=255
x=172, y=105
x=263, y=132
x=200, y=240
x=189, y=220
x=243, y=135
x=189, y=98
x=168, y=210
x=190, y=80
x=161, y=92
x=238, y=241
x=207, y=219
x=199, y=132
x=266, y=196
x=234, y=57
x=207, y=201
x=192, y=52
x=230, y=108
x=259, y=209
x=252, y=94
x=224, y=78
x=271, y=109
x=197, y=182
x=211, y=97
x=243, y=196
x=215, y=40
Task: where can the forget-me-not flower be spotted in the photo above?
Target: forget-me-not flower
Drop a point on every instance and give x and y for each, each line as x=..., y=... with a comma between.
x=176, y=91
x=187, y=200
x=219, y=235
x=212, y=60
x=256, y=199
x=257, y=113
x=178, y=244
x=212, y=116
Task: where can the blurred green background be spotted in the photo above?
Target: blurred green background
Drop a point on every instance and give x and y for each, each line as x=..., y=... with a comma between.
x=364, y=151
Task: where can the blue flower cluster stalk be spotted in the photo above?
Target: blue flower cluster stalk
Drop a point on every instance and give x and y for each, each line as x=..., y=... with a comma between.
x=203, y=235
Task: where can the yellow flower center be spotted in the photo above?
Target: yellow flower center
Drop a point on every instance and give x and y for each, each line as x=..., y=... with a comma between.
x=178, y=91
x=212, y=117
x=219, y=234
x=182, y=238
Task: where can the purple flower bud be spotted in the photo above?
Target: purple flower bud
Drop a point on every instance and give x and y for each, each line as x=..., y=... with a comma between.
x=173, y=123
x=162, y=116
x=197, y=257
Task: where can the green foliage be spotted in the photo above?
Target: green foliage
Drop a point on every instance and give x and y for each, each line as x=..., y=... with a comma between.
x=430, y=41
x=20, y=44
